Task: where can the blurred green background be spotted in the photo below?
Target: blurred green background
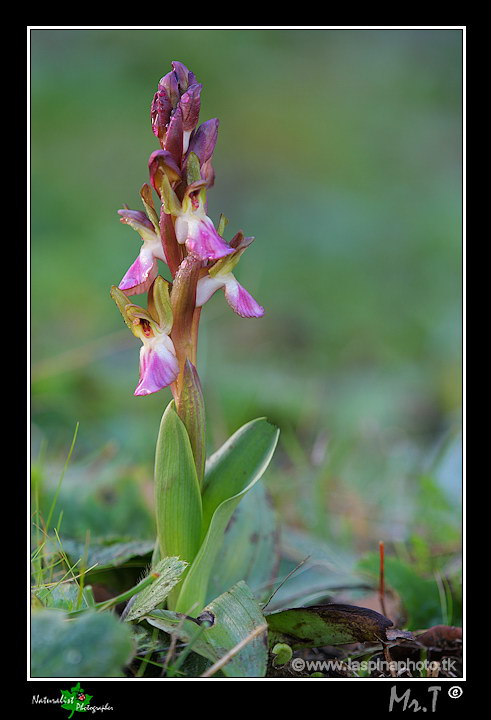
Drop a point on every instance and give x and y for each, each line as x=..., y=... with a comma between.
x=340, y=151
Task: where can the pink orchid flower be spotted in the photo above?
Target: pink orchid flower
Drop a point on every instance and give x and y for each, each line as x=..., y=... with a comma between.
x=143, y=271
x=159, y=366
x=220, y=276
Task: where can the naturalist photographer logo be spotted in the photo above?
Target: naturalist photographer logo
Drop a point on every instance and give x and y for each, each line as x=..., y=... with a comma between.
x=74, y=700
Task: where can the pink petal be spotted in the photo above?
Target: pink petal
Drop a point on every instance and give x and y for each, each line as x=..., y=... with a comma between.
x=241, y=301
x=158, y=369
x=140, y=275
x=206, y=287
x=204, y=242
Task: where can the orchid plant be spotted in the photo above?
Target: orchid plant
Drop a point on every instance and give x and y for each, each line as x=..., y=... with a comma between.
x=183, y=260
x=210, y=580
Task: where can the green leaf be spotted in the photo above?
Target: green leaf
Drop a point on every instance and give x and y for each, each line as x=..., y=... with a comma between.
x=242, y=459
x=231, y=472
x=177, y=492
x=92, y=645
x=235, y=615
x=250, y=548
x=169, y=571
x=65, y=596
x=329, y=624
x=111, y=553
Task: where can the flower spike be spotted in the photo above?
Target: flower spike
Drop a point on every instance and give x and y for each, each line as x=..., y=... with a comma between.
x=180, y=233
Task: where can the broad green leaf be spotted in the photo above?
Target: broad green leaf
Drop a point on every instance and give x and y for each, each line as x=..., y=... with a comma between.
x=329, y=624
x=92, y=645
x=244, y=457
x=177, y=493
x=250, y=548
x=169, y=571
x=106, y=554
x=231, y=472
x=235, y=615
x=65, y=596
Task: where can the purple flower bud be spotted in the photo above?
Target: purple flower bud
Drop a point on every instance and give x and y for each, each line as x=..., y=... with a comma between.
x=170, y=84
x=173, y=143
x=204, y=140
x=160, y=112
x=178, y=94
x=184, y=77
x=190, y=106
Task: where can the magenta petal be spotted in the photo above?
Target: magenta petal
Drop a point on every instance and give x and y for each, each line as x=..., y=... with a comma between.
x=205, y=243
x=241, y=301
x=135, y=218
x=158, y=369
x=140, y=275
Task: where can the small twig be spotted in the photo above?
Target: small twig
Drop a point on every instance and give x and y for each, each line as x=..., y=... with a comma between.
x=381, y=587
x=172, y=646
x=389, y=661
x=231, y=653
